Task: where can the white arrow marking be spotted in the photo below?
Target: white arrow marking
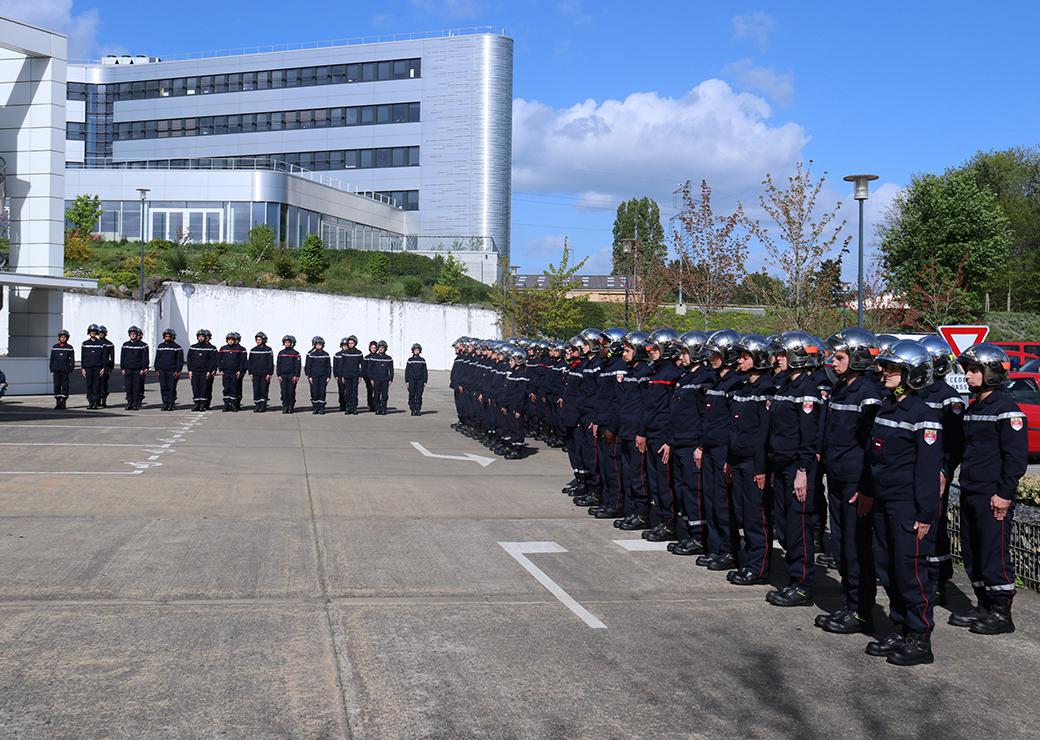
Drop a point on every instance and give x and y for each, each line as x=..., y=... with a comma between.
x=468, y=456
x=640, y=545
x=519, y=550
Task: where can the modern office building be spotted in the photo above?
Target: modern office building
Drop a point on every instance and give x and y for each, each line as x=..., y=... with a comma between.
x=393, y=144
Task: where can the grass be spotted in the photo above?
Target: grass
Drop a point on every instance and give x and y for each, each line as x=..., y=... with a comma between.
x=351, y=272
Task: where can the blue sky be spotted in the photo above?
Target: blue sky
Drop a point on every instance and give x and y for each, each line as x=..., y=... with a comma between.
x=619, y=99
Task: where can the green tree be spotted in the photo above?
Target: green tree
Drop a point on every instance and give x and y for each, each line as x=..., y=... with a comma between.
x=313, y=260
x=639, y=219
x=451, y=272
x=379, y=267
x=1013, y=176
x=261, y=243
x=544, y=311
x=944, y=230
x=84, y=213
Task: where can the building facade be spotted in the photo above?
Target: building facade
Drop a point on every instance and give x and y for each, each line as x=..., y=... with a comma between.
x=402, y=144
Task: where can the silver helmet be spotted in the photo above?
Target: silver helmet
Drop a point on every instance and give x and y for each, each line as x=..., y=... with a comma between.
x=637, y=341
x=991, y=359
x=666, y=341
x=724, y=344
x=758, y=348
x=885, y=342
x=859, y=344
x=615, y=340
x=941, y=354
x=693, y=344
x=289, y=338
x=801, y=349
x=912, y=359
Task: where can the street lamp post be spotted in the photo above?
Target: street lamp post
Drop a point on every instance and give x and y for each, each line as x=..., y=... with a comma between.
x=144, y=195
x=512, y=276
x=189, y=291
x=860, y=187
x=626, y=248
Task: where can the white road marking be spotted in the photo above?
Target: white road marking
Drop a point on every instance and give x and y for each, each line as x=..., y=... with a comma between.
x=640, y=545
x=468, y=456
x=69, y=472
x=65, y=444
x=81, y=426
x=519, y=551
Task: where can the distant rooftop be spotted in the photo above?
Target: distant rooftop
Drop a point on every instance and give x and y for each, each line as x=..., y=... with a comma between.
x=582, y=282
x=273, y=48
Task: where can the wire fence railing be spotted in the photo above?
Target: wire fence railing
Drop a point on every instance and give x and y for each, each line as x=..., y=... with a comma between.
x=1024, y=544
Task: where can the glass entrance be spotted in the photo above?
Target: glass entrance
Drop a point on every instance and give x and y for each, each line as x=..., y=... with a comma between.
x=190, y=225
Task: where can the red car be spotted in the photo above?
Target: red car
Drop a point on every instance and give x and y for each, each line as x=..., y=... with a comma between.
x=1025, y=389
x=1020, y=352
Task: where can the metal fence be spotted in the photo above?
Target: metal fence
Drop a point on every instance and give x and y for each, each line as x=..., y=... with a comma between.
x=1024, y=546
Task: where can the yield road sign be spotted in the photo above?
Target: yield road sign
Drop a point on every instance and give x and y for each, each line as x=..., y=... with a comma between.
x=961, y=337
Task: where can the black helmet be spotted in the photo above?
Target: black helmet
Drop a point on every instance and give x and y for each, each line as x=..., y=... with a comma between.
x=354, y=339
x=859, y=344
x=260, y=335
x=238, y=337
x=416, y=346
x=615, y=340
x=102, y=330
x=382, y=343
x=342, y=341
x=724, y=344
x=885, y=342
x=757, y=346
x=318, y=340
x=200, y=333
x=229, y=335
x=591, y=337
x=289, y=338
x=171, y=332
x=801, y=349
x=93, y=328
x=940, y=353
x=637, y=341
x=134, y=330
x=209, y=334
x=912, y=359
x=64, y=333
x=993, y=360
x=693, y=342
x=666, y=340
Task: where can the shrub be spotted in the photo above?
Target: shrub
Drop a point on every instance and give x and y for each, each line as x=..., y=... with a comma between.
x=83, y=213
x=261, y=243
x=132, y=264
x=175, y=260
x=160, y=245
x=413, y=286
x=446, y=293
x=77, y=247
x=208, y=262
x=379, y=267
x=284, y=264
x=313, y=261
x=1029, y=490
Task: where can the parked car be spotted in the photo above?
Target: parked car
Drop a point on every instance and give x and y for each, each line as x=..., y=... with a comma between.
x=1020, y=352
x=1025, y=389
x=1033, y=366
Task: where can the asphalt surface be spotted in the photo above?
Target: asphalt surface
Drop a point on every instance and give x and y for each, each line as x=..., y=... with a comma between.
x=245, y=575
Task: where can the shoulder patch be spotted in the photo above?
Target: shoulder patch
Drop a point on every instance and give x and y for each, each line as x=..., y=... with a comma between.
x=930, y=436
x=1016, y=423
x=807, y=407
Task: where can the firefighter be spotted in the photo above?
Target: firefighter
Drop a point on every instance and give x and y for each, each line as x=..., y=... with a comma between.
x=169, y=361
x=261, y=367
x=62, y=363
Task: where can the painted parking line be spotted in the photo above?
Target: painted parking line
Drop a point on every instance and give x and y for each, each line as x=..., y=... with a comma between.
x=519, y=552
x=640, y=545
x=69, y=444
x=24, y=425
x=70, y=472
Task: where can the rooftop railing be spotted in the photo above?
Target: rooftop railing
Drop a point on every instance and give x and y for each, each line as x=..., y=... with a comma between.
x=235, y=163
x=301, y=46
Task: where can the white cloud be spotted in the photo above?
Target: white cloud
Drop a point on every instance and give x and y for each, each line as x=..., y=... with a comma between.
x=757, y=26
x=778, y=86
x=451, y=8
x=646, y=144
x=57, y=15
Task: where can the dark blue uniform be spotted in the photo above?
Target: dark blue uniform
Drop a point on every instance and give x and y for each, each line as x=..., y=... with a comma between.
x=794, y=429
x=995, y=458
x=289, y=369
x=588, y=391
x=110, y=366
x=657, y=402
x=608, y=423
x=318, y=369
x=687, y=422
x=93, y=357
x=633, y=462
x=233, y=360
x=202, y=363
x=746, y=453
x=62, y=363
x=904, y=458
x=570, y=418
x=512, y=401
x=415, y=378
x=848, y=419
x=169, y=361
x=723, y=520
x=133, y=361
x=261, y=367
x=381, y=372
x=346, y=367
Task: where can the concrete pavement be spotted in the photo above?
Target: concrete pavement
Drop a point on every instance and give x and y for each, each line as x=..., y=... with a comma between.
x=266, y=575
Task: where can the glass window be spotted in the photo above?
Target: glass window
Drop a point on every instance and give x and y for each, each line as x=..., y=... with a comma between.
x=413, y=112
x=413, y=156
x=131, y=220
x=277, y=121
x=414, y=68
x=195, y=226
x=323, y=75
x=234, y=124
x=368, y=72
x=383, y=158
x=307, y=160
x=306, y=119
x=353, y=73
x=291, y=119
x=308, y=76
x=401, y=69
x=258, y=216
x=386, y=71
x=176, y=225
x=220, y=84
x=352, y=116
x=337, y=117
x=191, y=85
x=213, y=220
x=205, y=125
x=162, y=129
x=337, y=160
x=321, y=118
x=399, y=113
x=179, y=86
x=367, y=158
x=124, y=91
x=234, y=83
x=176, y=128
x=277, y=78
x=220, y=125
x=159, y=225
x=263, y=121
x=239, y=228
x=138, y=129
x=412, y=200
x=338, y=73
x=151, y=89
x=263, y=80
x=321, y=160
x=383, y=113
x=368, y=115
x=206, y=84
x=400, y=156
x=293, y=226
x=248, y=80
x=292, y=158
x=190, y=126
x=292, y=78
x=351, y=159
x=165, y=87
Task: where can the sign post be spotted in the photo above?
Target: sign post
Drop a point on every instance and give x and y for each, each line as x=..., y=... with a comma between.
x=962, y=336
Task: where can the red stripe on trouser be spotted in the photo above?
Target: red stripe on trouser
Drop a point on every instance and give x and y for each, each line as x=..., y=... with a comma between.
x=805, y=548
x=1004, y=558
x=616, y=454
x=765, y=530
x=917, y=575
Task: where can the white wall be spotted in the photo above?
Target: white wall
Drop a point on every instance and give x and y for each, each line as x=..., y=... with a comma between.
x=277, y=312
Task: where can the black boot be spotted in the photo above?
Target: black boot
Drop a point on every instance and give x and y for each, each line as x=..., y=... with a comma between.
x=632, y=523
x=847, y=623
x=227, y=406
x=997, y=622
x=721, y=561
x=968, y=618
x=746, y=577
x=57, y=404
x=889, y=646
x=688, y=546
x=661, y=533
x=793, y=595
x=916, y=650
